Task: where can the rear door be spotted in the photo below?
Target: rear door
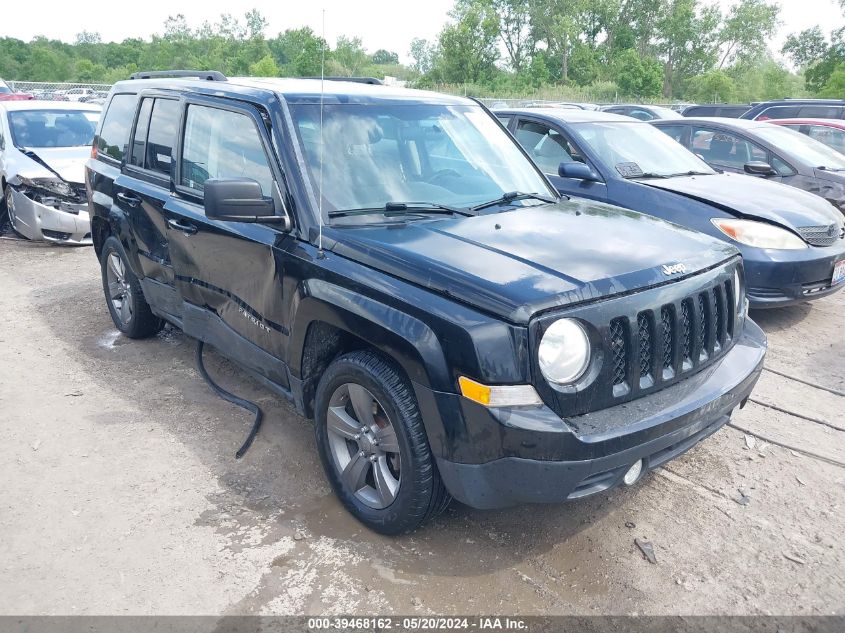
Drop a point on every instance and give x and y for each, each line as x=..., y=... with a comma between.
x=229, y=275
x=143, y=189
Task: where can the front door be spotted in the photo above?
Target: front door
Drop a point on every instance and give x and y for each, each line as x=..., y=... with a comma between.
x=229, y=274
x=550, y=146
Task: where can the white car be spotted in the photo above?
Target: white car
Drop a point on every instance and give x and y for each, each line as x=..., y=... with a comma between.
x=43, y=149
x=78, y=94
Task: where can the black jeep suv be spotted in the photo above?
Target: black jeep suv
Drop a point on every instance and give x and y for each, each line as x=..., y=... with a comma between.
x=393, y=263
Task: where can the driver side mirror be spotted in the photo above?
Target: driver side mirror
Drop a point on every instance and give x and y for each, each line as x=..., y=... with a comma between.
x=759, y=168
x=578, y=171
x=238, y=200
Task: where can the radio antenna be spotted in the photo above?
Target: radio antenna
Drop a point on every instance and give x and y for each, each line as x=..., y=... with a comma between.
x=322, y=150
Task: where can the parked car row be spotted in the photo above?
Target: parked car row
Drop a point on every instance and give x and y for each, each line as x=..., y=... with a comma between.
x=502, y=318
x=791, y=240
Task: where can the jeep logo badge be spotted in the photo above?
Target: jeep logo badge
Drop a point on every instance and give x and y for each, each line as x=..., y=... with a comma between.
x=673, y=268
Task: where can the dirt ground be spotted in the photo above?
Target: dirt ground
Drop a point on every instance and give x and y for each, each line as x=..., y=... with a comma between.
x=120, y=492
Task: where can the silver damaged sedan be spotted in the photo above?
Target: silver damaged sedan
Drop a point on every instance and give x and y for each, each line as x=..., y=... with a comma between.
x=43, y=149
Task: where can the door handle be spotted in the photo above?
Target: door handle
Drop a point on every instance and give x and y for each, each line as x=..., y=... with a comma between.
x=186, y=227
x=125, y=198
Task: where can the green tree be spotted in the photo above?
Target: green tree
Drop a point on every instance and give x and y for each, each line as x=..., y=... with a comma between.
x=806, y=47
x=349, y=57
x=297, y=52
x=423, y=55
x=382, y=56
x=834, y=88
x=637, y=76
x=687, y=41
x=467, y=50
x=264, y=67
x=714, y=86
x=747, y=29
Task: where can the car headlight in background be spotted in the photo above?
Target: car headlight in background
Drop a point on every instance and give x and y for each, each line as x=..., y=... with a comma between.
x=564, y=352
x=758, y=234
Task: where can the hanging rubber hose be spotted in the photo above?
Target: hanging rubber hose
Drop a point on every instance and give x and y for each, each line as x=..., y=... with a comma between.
x=244, y=404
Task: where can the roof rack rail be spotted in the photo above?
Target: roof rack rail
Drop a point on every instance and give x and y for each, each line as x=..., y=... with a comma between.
x=206, y=75
x=358, y=80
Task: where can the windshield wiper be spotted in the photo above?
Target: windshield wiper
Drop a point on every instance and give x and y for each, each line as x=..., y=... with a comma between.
x=691, y=173
x=648, y=174
x=391, y=209
x=511, y=196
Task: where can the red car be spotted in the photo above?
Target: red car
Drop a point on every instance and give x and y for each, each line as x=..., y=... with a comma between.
x=831, y=132
x=7, y=94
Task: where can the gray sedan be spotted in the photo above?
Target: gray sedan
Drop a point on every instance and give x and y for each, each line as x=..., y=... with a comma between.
x=43, y=149
x=764, y=150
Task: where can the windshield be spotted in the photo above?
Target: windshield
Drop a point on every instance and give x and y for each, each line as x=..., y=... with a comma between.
x=638, y=149
x=53, y=128
x=4, y=88
x=437, y=154
x=666, y=113
x=805, y=149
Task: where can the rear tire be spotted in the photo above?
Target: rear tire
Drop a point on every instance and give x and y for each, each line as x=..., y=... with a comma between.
x=129, y=310
x=373, y=444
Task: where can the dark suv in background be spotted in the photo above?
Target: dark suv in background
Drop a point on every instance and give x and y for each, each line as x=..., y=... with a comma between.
x=393, y=263
x=795, y=109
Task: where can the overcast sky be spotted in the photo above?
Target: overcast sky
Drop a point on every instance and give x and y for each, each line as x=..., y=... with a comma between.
x=390, y=24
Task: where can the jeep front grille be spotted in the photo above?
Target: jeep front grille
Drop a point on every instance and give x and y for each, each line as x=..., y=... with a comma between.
x=646, y=341
x=821, y=235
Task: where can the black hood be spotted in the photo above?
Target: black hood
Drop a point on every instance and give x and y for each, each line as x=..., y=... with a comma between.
x=515, y=263
x=751, y=197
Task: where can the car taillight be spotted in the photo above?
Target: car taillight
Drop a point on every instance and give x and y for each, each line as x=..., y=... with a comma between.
x=763, y=117
x=94, y=151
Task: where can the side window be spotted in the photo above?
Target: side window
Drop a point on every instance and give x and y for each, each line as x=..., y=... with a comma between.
x=820, y=112
x=642, y=115
x=139, y=140
x=548, y=147
x=778, y=112
x=781, y=167
x=830, y=136
x=114, y=134
x=674, y=131
x=725, y=149
x=506, y=120
x=164, y=127
x=222, y=144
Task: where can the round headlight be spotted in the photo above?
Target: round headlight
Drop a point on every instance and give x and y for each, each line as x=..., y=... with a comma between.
x=564, y=352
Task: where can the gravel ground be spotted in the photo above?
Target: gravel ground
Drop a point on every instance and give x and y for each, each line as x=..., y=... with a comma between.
x=121, y=494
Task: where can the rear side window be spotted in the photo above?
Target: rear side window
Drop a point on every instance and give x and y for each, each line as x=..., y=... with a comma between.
x=778, y=112
x=164, y=126
x=222, y=144
x=114, y=135
x=139, y=141
x=820, y=112
x=155, y=133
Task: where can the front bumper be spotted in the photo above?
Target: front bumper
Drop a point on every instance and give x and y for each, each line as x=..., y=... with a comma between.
x=777, y=278
x=587, y=454
x=40, y=222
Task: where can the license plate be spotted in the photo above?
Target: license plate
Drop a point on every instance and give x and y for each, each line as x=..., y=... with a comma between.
x=838, y=273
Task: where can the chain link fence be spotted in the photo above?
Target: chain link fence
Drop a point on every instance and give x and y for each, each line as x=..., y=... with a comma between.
x=48, y=91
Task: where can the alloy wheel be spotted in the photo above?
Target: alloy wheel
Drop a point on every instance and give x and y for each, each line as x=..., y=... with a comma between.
x=120, y=290
x=363, y=445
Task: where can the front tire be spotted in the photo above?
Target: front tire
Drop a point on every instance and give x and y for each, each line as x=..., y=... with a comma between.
x=128, y=308
x=373, y=445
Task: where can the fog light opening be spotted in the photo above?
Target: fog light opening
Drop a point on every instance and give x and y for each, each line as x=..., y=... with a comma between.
x=633, y=473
